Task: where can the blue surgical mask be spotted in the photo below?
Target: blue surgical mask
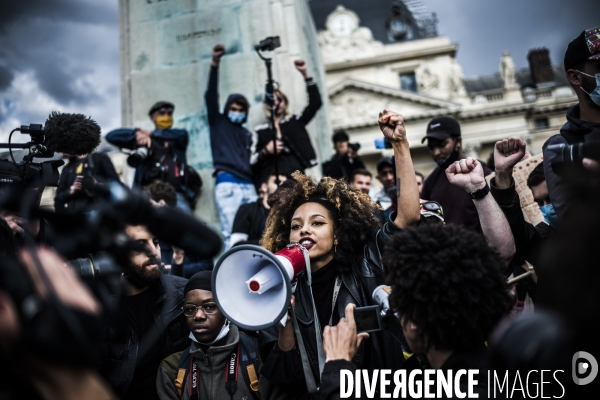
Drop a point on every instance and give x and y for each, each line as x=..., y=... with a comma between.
x=236, y=117
x=549, y=215
x=594, y=94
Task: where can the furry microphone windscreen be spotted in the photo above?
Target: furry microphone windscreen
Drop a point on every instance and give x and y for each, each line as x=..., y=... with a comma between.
x=73, y=134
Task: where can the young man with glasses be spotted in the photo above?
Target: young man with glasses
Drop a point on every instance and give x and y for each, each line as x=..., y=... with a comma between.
x=221, y=363
x=162, y=151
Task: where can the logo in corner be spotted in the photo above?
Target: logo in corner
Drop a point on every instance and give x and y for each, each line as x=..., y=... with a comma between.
x=584, y=363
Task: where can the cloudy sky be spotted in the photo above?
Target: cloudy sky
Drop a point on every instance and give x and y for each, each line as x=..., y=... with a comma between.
x=64, y=54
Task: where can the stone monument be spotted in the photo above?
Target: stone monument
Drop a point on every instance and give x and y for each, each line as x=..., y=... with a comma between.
x=166, y=46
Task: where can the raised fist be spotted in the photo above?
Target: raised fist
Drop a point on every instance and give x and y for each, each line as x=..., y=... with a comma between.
x=392, y=125
x=466, y=174
x=301, y=66
x=507, y=153
x=217, y=53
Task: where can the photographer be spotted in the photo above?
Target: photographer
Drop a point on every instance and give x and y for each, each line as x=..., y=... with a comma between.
x=161, y=153
x=294, y=149
x=582, y=67
x=75, y=191
x=346, y=158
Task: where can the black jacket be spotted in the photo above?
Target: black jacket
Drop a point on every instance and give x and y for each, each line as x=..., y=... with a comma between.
x=342, y=166
x=99, y=166
x=300, y=153
x=530, y=241
x=574, y=131
x=383, y=349
x=120, y=349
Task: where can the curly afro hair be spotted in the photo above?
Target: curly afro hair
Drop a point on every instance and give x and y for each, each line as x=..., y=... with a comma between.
x=449, y=283
x=354, y=214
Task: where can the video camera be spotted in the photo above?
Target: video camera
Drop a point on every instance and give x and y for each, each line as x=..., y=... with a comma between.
x=27, y=172
x=571, y=156
x=268, y=44
x=73, y=134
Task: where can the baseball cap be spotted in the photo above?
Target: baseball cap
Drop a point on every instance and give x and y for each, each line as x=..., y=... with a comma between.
x=384, y=161
x=584, y=47
x=157, y=106
x=441, y=128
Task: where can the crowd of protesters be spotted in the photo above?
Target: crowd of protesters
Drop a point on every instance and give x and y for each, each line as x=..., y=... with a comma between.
x=455, y=247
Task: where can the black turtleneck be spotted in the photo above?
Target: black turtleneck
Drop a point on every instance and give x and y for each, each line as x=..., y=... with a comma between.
x=323, y=282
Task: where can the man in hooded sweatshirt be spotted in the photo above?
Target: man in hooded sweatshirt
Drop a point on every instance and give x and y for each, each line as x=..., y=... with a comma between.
x=582, y=67
x=231, y=149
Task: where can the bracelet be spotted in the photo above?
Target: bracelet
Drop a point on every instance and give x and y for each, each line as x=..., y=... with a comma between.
x=480, y=193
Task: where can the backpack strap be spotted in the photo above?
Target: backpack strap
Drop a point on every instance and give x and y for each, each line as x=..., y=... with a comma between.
x=182, y=371
x=250, y=363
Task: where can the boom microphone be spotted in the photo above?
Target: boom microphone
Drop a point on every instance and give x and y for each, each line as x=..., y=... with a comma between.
x=73, y=134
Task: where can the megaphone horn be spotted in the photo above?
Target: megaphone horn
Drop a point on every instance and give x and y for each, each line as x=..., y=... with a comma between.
x=252, y=286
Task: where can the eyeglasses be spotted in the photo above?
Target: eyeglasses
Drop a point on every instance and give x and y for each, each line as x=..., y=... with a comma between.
x=189, y=310
x=432, y=206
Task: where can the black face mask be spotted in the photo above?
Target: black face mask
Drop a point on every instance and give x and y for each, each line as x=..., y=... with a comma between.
x=453, y=157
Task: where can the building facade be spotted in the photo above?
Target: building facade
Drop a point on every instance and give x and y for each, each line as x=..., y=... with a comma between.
x=416, y=73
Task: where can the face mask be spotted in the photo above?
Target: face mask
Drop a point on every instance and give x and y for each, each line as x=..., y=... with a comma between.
x=594, y=94
x=453, y=157
x=163, y=122
x=221, y=335
x=236, y=117
x=549, y=215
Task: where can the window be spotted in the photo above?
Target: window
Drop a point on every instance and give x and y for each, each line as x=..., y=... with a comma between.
x=542, y=123
x=408, y=81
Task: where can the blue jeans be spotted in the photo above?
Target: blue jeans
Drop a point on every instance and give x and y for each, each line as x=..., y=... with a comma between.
x=229, y=197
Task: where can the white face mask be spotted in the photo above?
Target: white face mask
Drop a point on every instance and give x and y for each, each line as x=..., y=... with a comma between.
x=221, y=335
x=594, y=94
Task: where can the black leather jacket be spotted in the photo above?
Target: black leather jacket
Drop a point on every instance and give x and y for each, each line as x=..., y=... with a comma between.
x=120, y=349
x=383, y=349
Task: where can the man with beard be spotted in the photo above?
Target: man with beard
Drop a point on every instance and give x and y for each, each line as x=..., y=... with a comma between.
x=444, y=142
x=153, y=326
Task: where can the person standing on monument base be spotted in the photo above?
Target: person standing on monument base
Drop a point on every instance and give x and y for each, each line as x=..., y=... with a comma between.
x=231, y=145
x=294, y=149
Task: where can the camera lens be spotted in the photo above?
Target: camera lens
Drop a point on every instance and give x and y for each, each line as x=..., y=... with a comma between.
x=137, y=156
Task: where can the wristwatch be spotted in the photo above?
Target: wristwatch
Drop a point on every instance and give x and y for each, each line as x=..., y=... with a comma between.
x=480, y=193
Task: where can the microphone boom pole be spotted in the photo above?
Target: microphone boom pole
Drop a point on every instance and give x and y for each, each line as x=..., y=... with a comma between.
x=271, y=44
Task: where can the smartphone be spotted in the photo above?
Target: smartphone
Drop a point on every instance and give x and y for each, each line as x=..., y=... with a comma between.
x=368, y=319
x=382, y=143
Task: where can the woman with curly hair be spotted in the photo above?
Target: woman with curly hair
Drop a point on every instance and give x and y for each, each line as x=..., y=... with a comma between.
x=340, y=228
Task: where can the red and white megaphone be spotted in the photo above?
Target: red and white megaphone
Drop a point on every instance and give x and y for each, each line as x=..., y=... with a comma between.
x=253, y=286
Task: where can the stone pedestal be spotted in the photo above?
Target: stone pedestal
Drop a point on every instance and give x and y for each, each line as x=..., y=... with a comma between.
x=166, y=54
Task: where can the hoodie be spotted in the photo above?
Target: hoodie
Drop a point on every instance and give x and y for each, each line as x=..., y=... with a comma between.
x=574, y=131
x=230, y=143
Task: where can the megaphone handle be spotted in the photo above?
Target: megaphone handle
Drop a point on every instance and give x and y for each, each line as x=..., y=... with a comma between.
x=283, y=320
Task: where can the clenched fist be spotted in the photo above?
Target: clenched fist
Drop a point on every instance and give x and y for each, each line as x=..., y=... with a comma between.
x=392, y=126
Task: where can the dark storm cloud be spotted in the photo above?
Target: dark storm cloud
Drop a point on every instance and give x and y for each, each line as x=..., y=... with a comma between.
x=62, y=43
x=15, y=11
x=484, y=29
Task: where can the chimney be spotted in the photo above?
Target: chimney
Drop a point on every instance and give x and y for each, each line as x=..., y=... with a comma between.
x=540, y=66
